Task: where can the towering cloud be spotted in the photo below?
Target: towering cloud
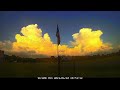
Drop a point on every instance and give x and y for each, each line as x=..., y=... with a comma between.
x=31, y=42
x=88, y=41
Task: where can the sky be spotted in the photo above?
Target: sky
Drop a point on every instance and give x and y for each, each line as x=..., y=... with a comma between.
x=69, y=22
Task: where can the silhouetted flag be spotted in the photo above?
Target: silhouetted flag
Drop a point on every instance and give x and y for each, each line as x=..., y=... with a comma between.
x=58, y=35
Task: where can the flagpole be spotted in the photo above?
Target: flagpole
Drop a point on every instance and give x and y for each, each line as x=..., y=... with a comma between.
x=74, y=68
x=58, y=42
x=58, y=61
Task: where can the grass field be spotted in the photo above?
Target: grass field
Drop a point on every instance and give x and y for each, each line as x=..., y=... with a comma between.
x=94, y=68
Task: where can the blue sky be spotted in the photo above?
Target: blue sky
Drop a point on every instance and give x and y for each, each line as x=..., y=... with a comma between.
x=69, y=22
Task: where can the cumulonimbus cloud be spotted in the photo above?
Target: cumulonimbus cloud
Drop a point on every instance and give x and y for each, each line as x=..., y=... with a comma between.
x=88, y=41
x=84, y=42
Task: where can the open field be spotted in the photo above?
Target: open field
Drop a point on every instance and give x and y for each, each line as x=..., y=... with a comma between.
x=95, y=68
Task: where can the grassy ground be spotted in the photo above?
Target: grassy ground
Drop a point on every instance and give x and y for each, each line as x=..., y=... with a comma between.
x=95, y=68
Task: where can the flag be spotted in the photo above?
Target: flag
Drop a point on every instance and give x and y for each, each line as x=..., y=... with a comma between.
x=58, y=35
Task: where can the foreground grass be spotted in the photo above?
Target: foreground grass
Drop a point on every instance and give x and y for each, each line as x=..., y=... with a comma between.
x=105, y=67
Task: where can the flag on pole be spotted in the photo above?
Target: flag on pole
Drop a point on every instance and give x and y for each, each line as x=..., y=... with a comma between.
x=58, y=35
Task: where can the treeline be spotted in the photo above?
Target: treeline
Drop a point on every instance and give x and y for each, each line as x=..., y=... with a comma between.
x=100, y=56
x=14, y=58
x=107, y=55
x=18, y=59
x=89, y=57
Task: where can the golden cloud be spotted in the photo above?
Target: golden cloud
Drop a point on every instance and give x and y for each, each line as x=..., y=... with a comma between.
x=88, y=41
x=84, y=42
